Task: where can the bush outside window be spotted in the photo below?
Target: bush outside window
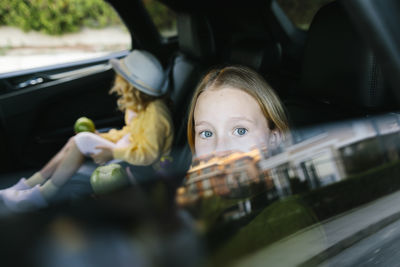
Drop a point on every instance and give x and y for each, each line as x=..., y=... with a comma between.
x=40, y=33
x=163, y=18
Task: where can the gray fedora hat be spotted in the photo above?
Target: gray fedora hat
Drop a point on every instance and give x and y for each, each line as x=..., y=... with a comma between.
x=144, y=71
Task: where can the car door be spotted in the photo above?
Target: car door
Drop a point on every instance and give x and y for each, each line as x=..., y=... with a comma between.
x=39, y=107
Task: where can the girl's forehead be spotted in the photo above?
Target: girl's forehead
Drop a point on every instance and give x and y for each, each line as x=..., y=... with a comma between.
x=226, y=102
x=225, y=96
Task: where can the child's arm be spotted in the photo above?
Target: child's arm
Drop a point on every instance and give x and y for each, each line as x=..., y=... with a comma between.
x=149, y=144
x=113, y=135
x=105, y=155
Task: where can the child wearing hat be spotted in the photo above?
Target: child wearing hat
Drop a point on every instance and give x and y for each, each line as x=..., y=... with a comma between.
x=140, y=83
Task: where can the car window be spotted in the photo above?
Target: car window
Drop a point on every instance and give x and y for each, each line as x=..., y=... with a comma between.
x=164, y=18
x=65, y=31
x=301, y=12
x=298, y=197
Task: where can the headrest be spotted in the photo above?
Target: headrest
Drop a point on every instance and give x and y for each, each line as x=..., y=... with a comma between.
x=339, y=67
x=195, y=36
x=258, y=54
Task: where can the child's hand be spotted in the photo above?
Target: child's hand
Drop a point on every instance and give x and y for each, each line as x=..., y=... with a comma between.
x=104, y=156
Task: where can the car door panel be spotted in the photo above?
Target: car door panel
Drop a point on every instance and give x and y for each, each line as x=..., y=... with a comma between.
x=37, y=117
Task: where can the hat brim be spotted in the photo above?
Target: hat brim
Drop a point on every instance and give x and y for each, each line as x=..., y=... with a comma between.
x=121, y=69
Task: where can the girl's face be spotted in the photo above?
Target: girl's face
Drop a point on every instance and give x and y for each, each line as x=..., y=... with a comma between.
x=228, y=119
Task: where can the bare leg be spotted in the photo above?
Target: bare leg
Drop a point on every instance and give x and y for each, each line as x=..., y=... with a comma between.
x=68, y=165
x=41, y=176
x=51, y=166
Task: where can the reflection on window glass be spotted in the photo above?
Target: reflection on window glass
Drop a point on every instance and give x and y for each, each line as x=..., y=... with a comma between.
x=301, y=12
x=65, y=31
x=163, y=17
x=255, y=199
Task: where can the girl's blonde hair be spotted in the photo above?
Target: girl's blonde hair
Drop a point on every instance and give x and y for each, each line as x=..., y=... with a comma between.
x=249, y=81
x=129, y=96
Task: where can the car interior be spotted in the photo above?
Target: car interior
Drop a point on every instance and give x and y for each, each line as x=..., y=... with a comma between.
x=327, y=74
x=324, y=75
x=349, y=85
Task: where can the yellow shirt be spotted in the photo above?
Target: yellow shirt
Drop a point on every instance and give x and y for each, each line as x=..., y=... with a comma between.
x=151, y=135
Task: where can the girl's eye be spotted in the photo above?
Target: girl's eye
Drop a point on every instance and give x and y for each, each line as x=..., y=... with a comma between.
x=206, y=134
x=240, y=131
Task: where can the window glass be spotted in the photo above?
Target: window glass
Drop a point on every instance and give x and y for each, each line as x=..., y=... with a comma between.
x=65, y=31
x=301, y=12
x=350, y=170
x=163, y=17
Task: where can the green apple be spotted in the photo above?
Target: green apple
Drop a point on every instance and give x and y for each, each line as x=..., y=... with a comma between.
x=84, y=124
x=108, y=178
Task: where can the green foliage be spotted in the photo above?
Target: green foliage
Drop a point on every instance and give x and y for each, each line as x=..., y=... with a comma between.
x=163, y=17
x=289, y=215
x=56, y=16
x=208, y=210
x=276, y=221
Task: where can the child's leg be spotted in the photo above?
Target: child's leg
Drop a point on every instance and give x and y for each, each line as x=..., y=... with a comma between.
x=86, y=144
x=70, y=161
x=68, y=165
x=73, y=157
x=42, y=175
x=51, y=166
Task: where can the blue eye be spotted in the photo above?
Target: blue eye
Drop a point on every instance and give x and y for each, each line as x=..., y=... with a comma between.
x=206, y=134
x=240, y=131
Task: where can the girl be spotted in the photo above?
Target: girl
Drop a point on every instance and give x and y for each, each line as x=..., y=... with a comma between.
x=233, y=108
x=140, y=82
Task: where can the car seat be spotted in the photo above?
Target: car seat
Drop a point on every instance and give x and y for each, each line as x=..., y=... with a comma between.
x=340, y=76
x=255, y=51
x=196, y=54
x=258, y=52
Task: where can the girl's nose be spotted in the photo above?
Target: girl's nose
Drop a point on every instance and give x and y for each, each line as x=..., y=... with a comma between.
x=221, y=145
